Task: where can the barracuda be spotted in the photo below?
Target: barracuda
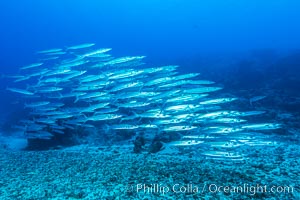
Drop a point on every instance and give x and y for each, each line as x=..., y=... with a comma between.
x=91, y=78
x=229, y=144
x=20, y=91
x=104, y=117
x=73, y=75
x=168, y=68
x=263, y=126
x=222, y=130
x=153, y=115
x=158, y=81
x=49, y=51
x=179, y=128
x=133, y=104
x=58, y=72
x=124, y=127
x=218, y=101
x=123, y=60
x=216, y=114
x=169, y=121
x=73, y=64
x=126, y=86
x=98, y=83
x=31, y=66
x=124, y=74
x=56, y=53
x=96, y=52
x=22, y=79
x=186, y=143
x=182, y=107
x=81, y=46
x=87, y=90
x=93, y=108
x=48, y=89
x=36, y=104
x=50, y=80
x=227, y=120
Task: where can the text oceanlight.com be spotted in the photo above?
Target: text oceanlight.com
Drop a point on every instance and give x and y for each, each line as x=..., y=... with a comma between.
x=209, y=188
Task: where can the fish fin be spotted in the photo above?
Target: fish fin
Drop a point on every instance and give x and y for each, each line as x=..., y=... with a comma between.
x=60, y=95
x=141, y=88
x=76, y=99
x=28, y=87
x=84, y=115
x=106, y=77
x=106, y=128
x=250, y=102
x=162, y=108
x=137, y=116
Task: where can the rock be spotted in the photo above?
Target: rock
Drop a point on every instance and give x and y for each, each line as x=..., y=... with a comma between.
x=155, y=147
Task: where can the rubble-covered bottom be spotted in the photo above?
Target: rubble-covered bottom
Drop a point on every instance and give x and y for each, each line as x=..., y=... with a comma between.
x=117, y=173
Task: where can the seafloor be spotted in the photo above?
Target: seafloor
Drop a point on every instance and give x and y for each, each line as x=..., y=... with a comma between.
x=116, y=173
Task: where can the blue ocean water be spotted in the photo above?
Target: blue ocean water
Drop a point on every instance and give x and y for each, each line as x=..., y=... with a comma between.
x=251, y=48
x=167, y=32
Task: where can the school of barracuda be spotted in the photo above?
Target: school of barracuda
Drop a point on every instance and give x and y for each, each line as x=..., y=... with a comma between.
x=80, y=86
